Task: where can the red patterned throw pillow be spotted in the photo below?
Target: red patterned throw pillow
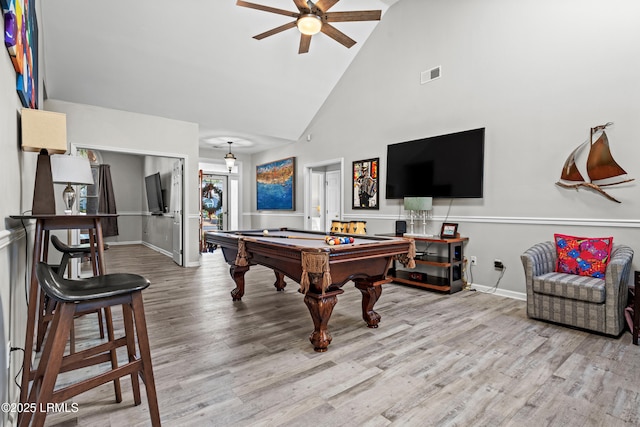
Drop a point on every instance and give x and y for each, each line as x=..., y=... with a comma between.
x=584, y=256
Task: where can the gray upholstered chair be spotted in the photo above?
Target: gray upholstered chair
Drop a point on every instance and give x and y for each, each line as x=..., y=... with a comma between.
x=584, y=302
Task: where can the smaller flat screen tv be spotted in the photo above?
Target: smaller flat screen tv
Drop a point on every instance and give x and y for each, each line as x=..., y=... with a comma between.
x=449, y=165
x=154, y=194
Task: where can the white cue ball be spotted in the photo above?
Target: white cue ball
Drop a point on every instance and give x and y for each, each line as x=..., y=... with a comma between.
x=265, y=232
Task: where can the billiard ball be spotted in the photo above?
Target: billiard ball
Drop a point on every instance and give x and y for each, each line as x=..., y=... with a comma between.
x=265, y=232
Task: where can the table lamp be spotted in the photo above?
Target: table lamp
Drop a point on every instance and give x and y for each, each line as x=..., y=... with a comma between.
x=44, y=132
x=70, y=170
x=420, y=204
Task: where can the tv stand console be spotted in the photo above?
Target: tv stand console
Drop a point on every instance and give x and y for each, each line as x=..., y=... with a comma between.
x=439, y=271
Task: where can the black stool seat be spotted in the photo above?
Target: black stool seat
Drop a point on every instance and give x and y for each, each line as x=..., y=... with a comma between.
x=75, y=251
x=81, y=249
x=106, y=286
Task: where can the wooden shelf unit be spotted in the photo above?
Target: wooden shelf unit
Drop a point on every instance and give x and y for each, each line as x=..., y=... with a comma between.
x=443, y=271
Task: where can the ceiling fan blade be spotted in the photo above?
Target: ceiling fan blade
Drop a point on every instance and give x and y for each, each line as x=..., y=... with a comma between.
x=325, y=5
x=275, y=30
x=267, y=8
x=337, y=35
x=305, y=41
x=302, y=6
x=357, y=15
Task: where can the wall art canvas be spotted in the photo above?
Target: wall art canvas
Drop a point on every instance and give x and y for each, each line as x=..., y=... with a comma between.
x=275, y=184
x=21, y=41
x=365, y=184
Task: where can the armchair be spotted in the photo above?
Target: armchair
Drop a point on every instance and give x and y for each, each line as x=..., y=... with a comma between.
x=583, y=302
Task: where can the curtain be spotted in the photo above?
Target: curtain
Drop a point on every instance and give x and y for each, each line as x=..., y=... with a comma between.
x=107, y=203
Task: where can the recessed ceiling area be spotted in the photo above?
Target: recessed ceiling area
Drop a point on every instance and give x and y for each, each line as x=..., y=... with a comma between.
x=196, y=61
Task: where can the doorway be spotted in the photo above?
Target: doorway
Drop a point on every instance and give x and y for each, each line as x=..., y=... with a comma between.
x=219, y=204
x=323, y=195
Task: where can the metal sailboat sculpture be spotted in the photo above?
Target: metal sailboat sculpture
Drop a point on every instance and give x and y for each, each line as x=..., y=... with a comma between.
x=601, y=169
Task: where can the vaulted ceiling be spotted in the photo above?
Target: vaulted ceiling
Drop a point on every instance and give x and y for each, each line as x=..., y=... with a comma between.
x=196, y=61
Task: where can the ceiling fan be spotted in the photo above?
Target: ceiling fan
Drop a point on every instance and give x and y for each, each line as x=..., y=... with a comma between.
x=313, y=18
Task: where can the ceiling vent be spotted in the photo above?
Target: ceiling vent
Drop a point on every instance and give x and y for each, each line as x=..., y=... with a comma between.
x=432, y=74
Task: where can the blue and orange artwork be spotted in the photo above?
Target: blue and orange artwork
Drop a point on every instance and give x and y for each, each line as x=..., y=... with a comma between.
x=275, y=185
x=21, y=41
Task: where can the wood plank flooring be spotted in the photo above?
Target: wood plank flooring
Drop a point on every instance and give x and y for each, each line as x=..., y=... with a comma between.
x=468, y=359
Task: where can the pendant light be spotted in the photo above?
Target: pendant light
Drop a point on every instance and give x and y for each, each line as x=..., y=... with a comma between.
x=229, y=158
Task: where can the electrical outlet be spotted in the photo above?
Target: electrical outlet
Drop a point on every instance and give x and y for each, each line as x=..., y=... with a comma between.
x=497, y=263
x=474, y=260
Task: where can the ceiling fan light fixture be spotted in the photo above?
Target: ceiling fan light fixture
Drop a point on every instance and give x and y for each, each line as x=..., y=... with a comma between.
x=309, y=24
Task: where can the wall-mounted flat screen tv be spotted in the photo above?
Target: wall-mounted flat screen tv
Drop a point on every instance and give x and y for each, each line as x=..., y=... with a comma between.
x=449, y=165
x=154, y=194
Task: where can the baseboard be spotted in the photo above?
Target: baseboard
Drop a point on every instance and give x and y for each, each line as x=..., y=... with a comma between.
x=500, y=292
x=133, y=242
x=157, y=249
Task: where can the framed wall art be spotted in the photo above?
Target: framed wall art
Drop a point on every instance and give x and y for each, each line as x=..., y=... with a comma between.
x=365, y=184
x=275, y=185
x=21, y=41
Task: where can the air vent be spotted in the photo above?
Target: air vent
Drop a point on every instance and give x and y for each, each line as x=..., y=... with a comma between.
x=429, y=75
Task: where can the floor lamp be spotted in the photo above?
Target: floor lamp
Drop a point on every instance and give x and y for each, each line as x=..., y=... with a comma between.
x=43, y=132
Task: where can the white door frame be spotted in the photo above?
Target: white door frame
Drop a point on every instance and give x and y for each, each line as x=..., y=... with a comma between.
x=177, y=178
x=308, y=167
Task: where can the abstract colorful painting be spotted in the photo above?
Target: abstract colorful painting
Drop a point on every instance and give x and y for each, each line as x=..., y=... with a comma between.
x=275, y=185
x=21, y=40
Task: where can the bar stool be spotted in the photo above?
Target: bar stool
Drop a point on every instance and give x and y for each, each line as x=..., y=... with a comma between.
x=47, y=305
x=77, y=296
x=74, y=251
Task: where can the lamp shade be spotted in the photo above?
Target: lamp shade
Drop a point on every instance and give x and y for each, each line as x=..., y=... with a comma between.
x=71, y=170
x=418, y=203
x=309, y=24
x=44, y=130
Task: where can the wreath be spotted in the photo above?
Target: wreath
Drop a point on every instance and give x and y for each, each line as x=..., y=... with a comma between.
x=218, y=203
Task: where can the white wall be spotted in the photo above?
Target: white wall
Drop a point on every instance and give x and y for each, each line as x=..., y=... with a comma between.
x=17, y=175
x=128, y=188
x=536, y=74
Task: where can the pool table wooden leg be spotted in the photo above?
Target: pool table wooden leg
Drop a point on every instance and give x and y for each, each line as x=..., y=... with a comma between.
x=237, y=273
x=280, y=283
x=321, y=306
x=371, y=291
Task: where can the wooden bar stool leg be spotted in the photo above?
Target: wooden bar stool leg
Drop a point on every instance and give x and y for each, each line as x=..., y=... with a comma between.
x=72, y=338
x=63, y=265
x=114, y=355
x=41, y=323
x=127, y=317
x=145, y=356
x=51, y=360
x=100, y=323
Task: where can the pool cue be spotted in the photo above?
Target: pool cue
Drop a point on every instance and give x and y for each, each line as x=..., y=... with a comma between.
x=280, y=237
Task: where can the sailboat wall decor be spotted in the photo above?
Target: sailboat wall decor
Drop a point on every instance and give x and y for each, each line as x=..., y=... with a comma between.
x=601, y=169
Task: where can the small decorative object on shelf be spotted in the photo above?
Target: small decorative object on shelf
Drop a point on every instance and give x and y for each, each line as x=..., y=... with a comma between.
x=449, y=231
x=416, y=276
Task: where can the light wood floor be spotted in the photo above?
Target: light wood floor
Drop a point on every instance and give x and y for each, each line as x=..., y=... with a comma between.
x=468, y=359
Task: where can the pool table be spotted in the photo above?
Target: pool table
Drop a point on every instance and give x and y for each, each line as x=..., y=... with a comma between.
x=320, y=269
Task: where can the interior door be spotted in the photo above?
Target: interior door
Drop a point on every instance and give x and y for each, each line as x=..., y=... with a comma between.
x=317, y=209
x=176, y=206
x=333, y=195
